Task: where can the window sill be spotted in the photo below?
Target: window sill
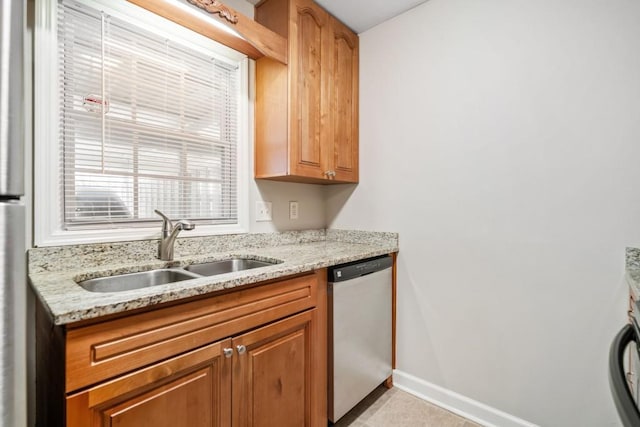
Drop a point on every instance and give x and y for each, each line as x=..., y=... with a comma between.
x=62, y=238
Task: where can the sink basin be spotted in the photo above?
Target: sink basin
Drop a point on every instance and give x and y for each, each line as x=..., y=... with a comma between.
x=163, y=276
x=227, y=266
x=143, y=279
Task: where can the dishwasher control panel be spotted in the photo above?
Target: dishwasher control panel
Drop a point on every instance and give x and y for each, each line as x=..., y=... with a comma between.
x=348, y=271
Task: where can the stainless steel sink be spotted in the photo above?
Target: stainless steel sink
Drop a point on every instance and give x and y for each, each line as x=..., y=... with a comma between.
x=227, y=266
x=163, y=276
x=143, y=279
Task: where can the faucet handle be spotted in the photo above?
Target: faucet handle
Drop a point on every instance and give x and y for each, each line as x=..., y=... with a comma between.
x=183, y=224
x=166, y=222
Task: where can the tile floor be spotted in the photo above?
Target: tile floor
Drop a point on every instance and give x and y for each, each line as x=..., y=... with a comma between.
x=394, y=407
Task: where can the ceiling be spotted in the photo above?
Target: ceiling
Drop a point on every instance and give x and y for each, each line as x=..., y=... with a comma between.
x=360, y=15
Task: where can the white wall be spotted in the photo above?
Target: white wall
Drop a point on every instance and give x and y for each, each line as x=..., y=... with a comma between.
x=501, y=139
x=311, y=206
x=242, y=6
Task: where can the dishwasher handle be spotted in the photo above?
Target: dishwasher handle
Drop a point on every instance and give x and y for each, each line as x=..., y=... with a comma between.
x=340, y=273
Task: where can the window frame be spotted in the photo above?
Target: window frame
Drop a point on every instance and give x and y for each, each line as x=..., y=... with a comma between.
x=47, y=201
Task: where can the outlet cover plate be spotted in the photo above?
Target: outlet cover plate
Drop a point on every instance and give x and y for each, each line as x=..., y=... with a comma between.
x=293, y=210
x=263, y=211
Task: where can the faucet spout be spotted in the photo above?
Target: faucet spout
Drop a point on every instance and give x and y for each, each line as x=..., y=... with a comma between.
x=169, y=235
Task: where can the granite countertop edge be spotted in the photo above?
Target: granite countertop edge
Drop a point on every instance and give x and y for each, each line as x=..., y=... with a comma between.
x=632, y=270
x=68, y=303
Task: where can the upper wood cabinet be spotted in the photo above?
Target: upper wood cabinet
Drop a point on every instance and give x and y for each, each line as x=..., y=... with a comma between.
x=307, y=111
x=344, y=103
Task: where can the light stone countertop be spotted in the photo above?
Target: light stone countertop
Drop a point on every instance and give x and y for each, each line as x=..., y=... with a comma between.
x=53, y=272
x=632, y=264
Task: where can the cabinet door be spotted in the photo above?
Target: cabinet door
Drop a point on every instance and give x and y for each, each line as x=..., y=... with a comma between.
x=308, y=61
x=272, y=371
x=193, y=390
x=343, y=153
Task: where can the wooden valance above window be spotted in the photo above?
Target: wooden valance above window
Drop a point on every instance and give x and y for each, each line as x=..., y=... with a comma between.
x=254, y=40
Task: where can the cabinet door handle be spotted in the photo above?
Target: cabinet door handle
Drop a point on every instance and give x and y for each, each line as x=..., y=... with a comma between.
x=241, y=349
x=330, y=174
x=228, y=352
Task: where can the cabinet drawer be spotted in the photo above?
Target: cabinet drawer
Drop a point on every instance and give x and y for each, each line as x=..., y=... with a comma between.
x=101, y=351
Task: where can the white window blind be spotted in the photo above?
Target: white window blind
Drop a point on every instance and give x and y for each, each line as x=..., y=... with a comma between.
x=146, y=122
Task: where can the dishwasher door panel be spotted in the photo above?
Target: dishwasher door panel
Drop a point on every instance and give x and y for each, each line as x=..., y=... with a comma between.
x=360, y=338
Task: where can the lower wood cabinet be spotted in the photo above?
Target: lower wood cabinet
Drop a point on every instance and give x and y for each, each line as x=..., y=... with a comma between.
x=255, y=357
x=272, y=375
x=192, y=390
x=261, y=378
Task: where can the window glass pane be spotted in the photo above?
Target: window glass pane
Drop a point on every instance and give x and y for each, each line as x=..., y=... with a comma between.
x=146, y=123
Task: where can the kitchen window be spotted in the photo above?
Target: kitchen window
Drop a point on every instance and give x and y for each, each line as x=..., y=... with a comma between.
x=135, y=113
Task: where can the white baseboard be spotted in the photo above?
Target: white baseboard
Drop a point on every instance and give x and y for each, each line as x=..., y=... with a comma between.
x=456, y=403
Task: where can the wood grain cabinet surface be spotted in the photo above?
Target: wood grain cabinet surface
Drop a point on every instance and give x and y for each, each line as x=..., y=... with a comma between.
x=250, y=357
x=192, y=390
x=307, y=111
x=274, y=370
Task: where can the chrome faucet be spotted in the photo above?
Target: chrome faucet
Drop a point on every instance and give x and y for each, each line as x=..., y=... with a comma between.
x=169, y=234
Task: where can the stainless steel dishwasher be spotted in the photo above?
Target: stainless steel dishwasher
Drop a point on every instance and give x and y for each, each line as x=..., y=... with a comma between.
x=360, y=347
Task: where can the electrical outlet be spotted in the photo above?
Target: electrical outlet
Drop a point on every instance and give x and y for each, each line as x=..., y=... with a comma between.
x=293, y=210
x=263, y=211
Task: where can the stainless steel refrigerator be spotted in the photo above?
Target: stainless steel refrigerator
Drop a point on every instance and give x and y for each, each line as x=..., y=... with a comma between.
x=12, y=217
